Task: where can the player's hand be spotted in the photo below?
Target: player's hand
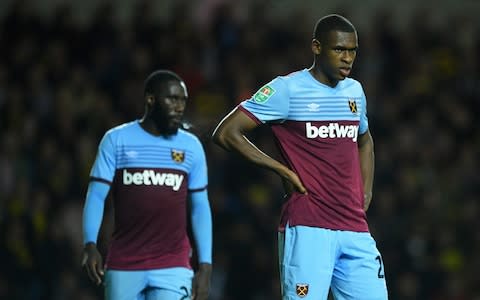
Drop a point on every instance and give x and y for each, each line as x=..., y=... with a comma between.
x=93, y=263
x=201, y=282
x=294, y=180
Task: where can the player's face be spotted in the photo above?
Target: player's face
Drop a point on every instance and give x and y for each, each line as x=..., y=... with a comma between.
x=169, y=107
x=337, y=55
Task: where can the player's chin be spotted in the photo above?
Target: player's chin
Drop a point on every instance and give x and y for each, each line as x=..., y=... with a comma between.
x=175, y=122
x=341, y=75
x=172, y=130
x=173, y=127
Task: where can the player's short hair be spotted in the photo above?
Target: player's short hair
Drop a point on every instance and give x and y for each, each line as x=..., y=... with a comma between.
x=329, y=23
x=155, y=82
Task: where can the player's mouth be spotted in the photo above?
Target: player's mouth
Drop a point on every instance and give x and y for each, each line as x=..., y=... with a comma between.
x=345, y=71
x=176, y=119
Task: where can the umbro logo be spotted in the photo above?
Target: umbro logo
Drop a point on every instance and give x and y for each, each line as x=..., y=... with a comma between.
x=313, y=107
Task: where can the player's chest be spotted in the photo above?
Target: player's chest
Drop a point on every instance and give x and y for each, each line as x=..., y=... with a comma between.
x=128, y=155
x=342, y=107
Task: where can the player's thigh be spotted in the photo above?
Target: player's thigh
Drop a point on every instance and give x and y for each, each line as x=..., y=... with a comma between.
x=164, y=294
x=307, y=256
x=169, y=284
x=359, y=273
x=124, y=285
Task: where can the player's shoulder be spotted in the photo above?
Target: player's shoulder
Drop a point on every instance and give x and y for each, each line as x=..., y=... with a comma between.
x=294, y=76
x=350, y=83
x=290, y=81
x=122, y=128
x=188, y=137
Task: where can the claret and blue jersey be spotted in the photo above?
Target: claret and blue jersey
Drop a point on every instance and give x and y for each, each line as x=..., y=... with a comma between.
x=317, y=128
x=150, y=177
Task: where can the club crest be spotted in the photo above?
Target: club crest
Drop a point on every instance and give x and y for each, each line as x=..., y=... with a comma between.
x=178, y=155
x=352, y=105
x=301, y=290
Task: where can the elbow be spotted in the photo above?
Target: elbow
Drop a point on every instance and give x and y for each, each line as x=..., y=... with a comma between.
x=220, y=138
x=228, y=139
x=217, y=138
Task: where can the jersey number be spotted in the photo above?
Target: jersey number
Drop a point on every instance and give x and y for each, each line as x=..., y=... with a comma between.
x=381, y=273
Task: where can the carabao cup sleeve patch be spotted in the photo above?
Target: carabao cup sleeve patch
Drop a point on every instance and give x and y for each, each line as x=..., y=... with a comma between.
x=263, y=94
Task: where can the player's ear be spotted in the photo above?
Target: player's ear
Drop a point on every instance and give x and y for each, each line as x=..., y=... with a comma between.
x=316, y=47
x=149, y=99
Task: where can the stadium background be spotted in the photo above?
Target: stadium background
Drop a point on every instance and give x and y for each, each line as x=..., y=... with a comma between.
x=69, y=70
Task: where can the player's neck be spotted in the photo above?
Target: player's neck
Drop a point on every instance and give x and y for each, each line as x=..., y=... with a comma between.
x=150, y=126
x=320, y=76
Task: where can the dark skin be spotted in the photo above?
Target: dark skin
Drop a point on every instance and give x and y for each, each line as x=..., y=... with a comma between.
x=164, y=113
x=333, y=61
x=163, y=116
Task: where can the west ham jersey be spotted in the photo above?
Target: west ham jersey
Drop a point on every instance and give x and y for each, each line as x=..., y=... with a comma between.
x=316, y=128
x=150, y=177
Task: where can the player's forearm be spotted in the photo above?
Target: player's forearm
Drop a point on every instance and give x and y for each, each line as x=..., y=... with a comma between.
x=93, y=211
x=231, y=133
x=367, y=166
x=202, y=226
x=239, y=143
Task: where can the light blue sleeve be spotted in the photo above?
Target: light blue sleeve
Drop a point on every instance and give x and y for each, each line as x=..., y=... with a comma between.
x=201, y=217
x=363, y=117
x=271, y=102
x=198, y=175
x=93, y=210
x=105, y=162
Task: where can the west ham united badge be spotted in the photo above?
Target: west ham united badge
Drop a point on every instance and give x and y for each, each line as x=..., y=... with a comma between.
x=352, y=105
x=301, y=289
x=178, y=155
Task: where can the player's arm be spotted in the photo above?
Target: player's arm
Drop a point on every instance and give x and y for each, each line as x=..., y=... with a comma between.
x=201, y=218
x=367, y=165
x=231, y=133
x=92, y=220
x=101, y=177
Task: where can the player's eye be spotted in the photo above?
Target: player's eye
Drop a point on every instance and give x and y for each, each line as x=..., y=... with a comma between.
x=176, y=99
x=342, y=51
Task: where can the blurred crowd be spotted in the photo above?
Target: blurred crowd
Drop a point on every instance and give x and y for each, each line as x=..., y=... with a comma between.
x=63, y=85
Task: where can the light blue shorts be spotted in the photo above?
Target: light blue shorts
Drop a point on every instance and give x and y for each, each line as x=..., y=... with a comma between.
x=158, y=284
x=315, y=260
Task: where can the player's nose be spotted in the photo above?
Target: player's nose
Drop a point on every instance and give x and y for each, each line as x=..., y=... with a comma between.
x=348, y=57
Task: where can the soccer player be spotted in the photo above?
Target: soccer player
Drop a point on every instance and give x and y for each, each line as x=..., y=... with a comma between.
x=151, y=167
x=318, y=117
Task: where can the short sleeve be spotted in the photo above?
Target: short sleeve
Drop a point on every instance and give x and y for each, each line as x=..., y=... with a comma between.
x=363, y=117
x=270, y=102
x=105, y=162
x=198, y=175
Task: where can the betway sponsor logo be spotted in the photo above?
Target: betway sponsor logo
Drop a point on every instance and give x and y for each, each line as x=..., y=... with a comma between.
x=150, y=177
x=332, y=130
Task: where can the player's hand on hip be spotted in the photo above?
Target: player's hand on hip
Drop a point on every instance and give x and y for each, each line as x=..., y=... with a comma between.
x=293, y=179
x=93, y=263
x=201, y=282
